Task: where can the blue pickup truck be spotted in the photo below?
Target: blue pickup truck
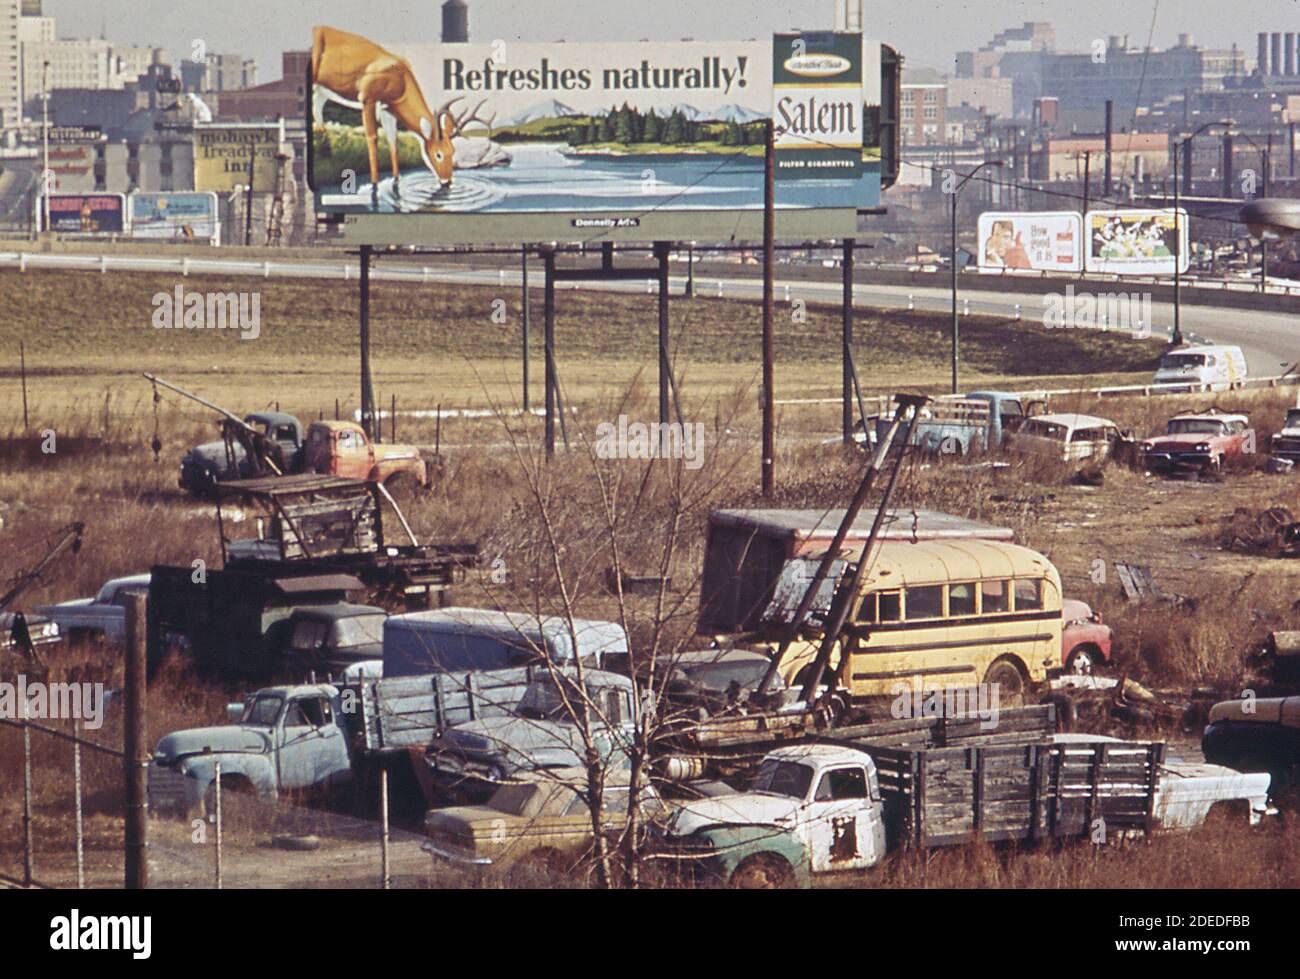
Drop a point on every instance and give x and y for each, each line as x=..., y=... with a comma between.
x=975, y=422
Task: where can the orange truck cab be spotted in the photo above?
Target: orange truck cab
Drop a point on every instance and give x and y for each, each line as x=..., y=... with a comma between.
x=341, y=448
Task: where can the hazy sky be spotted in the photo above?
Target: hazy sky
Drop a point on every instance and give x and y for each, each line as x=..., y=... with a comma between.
x=927, y=34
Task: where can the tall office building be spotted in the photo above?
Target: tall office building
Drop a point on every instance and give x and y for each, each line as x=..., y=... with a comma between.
x=11, y=98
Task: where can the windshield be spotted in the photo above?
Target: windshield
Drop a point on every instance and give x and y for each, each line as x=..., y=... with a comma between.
x=1292, y=419
x=1176, y=361
x=263, y=711
x=783, y=778
x=257, y=423
x=359, y=630
x=1194, y=426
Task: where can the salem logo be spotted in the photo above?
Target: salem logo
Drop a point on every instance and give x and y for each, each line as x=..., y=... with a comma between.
x=817, y=65
x=816, y=117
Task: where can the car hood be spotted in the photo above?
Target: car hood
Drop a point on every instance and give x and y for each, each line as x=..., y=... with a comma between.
x=237, y=738
x=740, y=808
x=518, y=740
x=69, y=604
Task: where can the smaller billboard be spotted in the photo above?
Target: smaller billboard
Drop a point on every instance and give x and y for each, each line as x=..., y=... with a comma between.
x=225, y=156
x=1046, y=241
x=84, y=214
x=1136, y=242
x=178, y=216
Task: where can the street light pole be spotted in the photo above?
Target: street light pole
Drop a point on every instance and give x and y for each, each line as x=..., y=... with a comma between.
x=45, y=141
x=1177, y=337
x=956, y=329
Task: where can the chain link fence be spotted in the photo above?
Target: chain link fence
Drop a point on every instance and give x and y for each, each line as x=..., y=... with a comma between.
x=63, y=815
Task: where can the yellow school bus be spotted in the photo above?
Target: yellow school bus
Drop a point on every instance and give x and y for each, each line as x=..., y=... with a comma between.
x=938, y=614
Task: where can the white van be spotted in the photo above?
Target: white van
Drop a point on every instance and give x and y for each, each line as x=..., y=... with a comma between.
x=1204, y=368
x=1069, y=437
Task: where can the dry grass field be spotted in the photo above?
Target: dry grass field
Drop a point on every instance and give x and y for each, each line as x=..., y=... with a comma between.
x=88, y=337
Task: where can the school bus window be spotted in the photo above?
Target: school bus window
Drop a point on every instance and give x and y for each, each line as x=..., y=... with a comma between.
x=993, y=597
x=867, y=610
x=890, y=608
x=925, y=602
x=1029, y=594
x=961, y=599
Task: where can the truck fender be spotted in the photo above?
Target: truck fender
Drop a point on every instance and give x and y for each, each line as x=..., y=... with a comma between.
x=732, y=843
x=255, y=769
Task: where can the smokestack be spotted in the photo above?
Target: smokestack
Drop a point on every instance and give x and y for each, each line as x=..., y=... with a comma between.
x=1110, y=138
x=455, y=22
x=1262, y=57
x=1275, y=59
x=1289, y=56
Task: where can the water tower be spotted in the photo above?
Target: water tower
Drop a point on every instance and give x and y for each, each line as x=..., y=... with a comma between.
x=455, y=22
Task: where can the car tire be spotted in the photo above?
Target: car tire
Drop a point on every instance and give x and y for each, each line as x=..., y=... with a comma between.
x=1010, y=681
x=1083, y=659
x=762, y=871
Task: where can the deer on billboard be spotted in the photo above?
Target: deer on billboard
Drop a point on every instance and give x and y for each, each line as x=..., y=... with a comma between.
x=352, y=71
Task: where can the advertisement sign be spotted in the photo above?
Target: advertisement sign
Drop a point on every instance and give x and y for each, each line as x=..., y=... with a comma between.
x=1136, y=242
x=534, y=142
x=179, y=216
x=75, y=134
x=1049, y=241
x=817, y=114
x=223, y=154
x=84, y=214
x=72, y=168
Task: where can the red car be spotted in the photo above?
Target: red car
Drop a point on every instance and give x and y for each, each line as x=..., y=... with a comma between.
x=1085, y=639
x=1197, y=441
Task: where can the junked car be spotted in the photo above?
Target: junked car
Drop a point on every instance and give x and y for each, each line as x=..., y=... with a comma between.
x=466, y=762
x=330, y=638
x=1070, y=437
x=203, y=466
x=1256, y=735
x=1286, y=443
x=102, y=617
x=1200, y=441
x=537, y=825
x=1189, y=791
x=1085, y=640
x=17, y=629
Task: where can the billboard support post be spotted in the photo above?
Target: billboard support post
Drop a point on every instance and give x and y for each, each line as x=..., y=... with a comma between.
x=248, y=201
x=769, y=381
x=523, y=267
x=548, y=257
x=367, y=393
x=665, y=365
x=846, y=353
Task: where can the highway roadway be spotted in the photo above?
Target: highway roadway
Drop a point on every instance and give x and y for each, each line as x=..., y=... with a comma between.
x=1271, y=341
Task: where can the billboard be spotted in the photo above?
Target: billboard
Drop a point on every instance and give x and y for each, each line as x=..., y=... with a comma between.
x=72, y=168
x=817, y=112
x=180, y=216
x=84, y=214
x=513, y=141
x=1136, y=242
x=1050, y=241
x=223, y=155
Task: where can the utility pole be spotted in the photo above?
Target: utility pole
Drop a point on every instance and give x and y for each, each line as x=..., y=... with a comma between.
x=45, y=141
x=1087, y=180
x=769, y=381
x=248, y=205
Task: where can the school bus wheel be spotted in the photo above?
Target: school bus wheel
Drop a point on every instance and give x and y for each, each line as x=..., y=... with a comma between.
x=1009, y=680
